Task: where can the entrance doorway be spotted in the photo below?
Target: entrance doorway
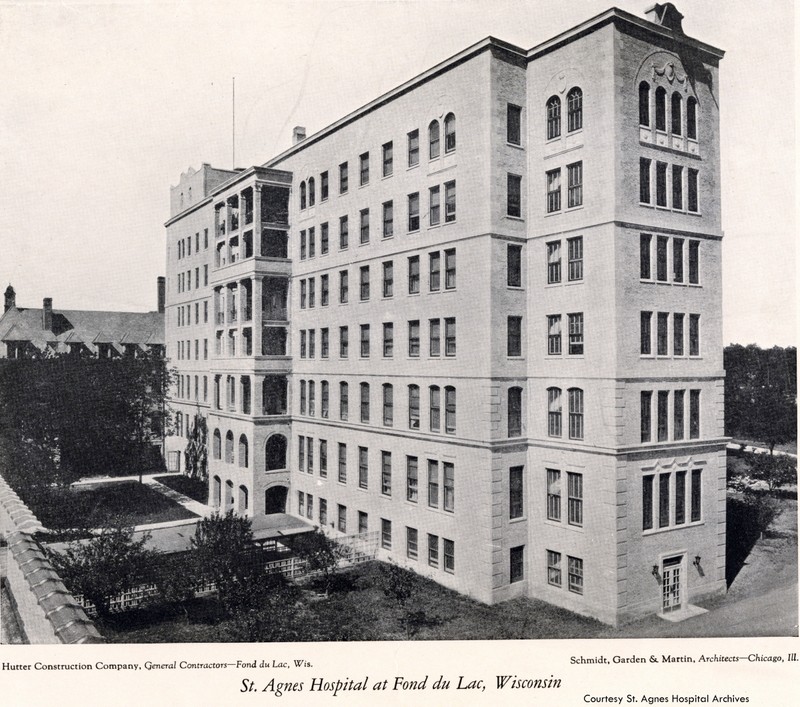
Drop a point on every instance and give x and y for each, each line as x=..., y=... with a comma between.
x=275, y=499
x=672, y=584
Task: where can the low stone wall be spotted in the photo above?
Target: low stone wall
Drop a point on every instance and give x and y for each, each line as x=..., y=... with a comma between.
x=48, y=613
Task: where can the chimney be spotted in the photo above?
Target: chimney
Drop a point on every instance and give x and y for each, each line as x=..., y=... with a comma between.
x=666, y=15
x=162, y=282
x=11, y=298
x=47, y=313
x=298, y=134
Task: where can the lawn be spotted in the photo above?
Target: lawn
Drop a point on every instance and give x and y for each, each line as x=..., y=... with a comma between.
x=193, y=488
x=97, y=505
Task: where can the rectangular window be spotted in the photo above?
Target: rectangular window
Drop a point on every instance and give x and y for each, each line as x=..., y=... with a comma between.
x=311, y=338
x=677, y=334
x=575, y=258
x=343, y=232
x=554, y=262
x=413, y=212
x=365, y=341
x=450, y=269
x=662, y=334
x=661, y=183
x=433, y=550
x=302, y=343
x=312, y=243
x=554, y=568
x=450, y=409
x=516, y=493
x=342, y=463
x=575, y=413
x=413, y=148
x=386, y=473
x=694, y=262
x=388, y=279
x=324, y=397
x=644, y=180
x=645, y=271
x=413, y=275
x=363, y=522
x=514, y=336
x=365, y=402
x=434, y=206
x=645, y=333
x=449, y=202
x=435, y=337
x=323, y=512
x=413, y=338
x=575, y=334
x=449, y=336
x=364, y=283
x=412, y=543
x=342, y=518
x=697, y=495
x=302, y=245
x=344, y=343
x=694, y=334
x=662, y=415
x=646, y=404
x=554, y=412
x=413, y=407
x=663, y=500
x=694, y=414
x=388, y=159
x=323, y=186
x=575, y=498
x=343, y=178
x=388, y=339
x=677, y=187
x=575, y=574
x=363, y=468
x=364, y=228
x=513, y=124
x=553, y=334
x=344, y=287
x=312, y=292
x=388, y=404
x=388, y=219
x=553, y=494
x=647, y=502
x=343, y=400
x=433, y=483
x=514, y=195
x=324, y=290
x=514, y=265
x=574, y=184
x=364, y=168
x=680, y=497
x=692, y=190
x=435, y=270
x=323, y=459
x=411, y=479
x=386, y=534
x=677, y=413
x=448, y=474
x=449, y=555
x=677, y=259
x=516, y=564
x=553, y=190
x=301, y=451
x=661, y=258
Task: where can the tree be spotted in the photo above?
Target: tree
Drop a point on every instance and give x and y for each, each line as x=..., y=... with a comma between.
x=321, y=554
x=197, y=449
x=223, y=552
x=400, y=586
x=776, y=470
x=105, y=566
x=272, y=610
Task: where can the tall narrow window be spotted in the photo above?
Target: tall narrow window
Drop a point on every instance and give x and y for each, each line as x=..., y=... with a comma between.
x=343, y=179
x=676, y=110
x=514, y=336
x=435, y=337
x=574, y=110
x=413, y=338
x=644, y=103
x=677, y=259
x=514, y=265
x=661, y=109
x=691, y=118
x=388, y=279
x=647, y=502
x=413, y=407
x=365, y=402
x=302, y=195
x=575, y=334
x=515, y=412
x=645, y=333
x=645, y=271
x=644, y=180
x=697, y=497
x=694, y=334
x=449, y=202
x=413, y=275
x=575, y=413
x=388, y=404
x=513, y=124
x=386, y=473
x=516, y=492
x=343, y=401
x=434, y=213
x=324, y=290
x=680, y=497
x=344, y=343
x=363, y=468
x=514, y=195
x=433, y=483
x=677, y=334
x=694, y=414
x=450, y=409
x=449, y=132
x=388, y=339
x=364, y=214
x=412, y=543
x=646, y=404
x=677, y=187
x=324, y=399
x=661, y=258
x=553, y=190
x=433, y=550
x=435, y=271
x=323, y=186
x=554, y=334
x=663, y=500
x=575, y=574
x=575, y=258
x=677, y=414
x=692, y=190
x=435, y=408
x=554, y=412
x=412, y=482
x=364, y=168
x=364, y=283
x=448, y=489
x=312, y=192
x=388, y=159
x=554, y=262
x=365, y=341
x=450, y=336
x=662, y=334
x=413, y=212
x=662, y=412
x=413, y=148
x=694, y=262
x=450, y=269
x=343, y=233
x=342, y=475
x=554, y=568
x=553, y=117
x=574, y=498
x=433, y=139
x=388, y=219
x=661, y=183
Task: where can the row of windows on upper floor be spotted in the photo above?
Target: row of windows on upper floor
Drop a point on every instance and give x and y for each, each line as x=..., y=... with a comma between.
x=184, y=279
x=184, y=245
x=308, y=242
x=685, y=259
x=673, y=183
x=183, y=313
x=662, y=417
x=574, y=113
x=662, y=333
x=680, y=120
x=436, y=282
x=308, y=191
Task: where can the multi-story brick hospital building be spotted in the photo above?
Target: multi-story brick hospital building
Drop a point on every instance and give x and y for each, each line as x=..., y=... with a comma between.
x=481, y=317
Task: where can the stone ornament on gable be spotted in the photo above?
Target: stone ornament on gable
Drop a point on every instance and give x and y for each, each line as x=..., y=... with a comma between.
x=562, y=83
x=668, y=71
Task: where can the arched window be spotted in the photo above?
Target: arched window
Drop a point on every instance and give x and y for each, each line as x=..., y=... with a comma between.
x=644, y=103
x=433, y=139
x=661, y=108
x=553, y=117
x=275, y=453
x=450, y=409
x=691, y=118
x=574, y=109
x=229, y=447
x=677, y=104
x=302, y=195
x=229, y=494
x=302, y=397
x=554, y=412
x=244, y=457
x=515, y=412
x=216, y=445
x=311, y=191
x=575, y=413
x=449, y=132
x=435, y=408
x=244, y=498
x=216, y=492
x=413, y=407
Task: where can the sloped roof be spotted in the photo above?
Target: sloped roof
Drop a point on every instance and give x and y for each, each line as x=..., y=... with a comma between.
x=80, y=326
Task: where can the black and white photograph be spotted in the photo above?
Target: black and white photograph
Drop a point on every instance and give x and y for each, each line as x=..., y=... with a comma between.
x=418, y=352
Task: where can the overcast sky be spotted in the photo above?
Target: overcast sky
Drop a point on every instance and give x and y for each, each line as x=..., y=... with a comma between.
x=103, y=105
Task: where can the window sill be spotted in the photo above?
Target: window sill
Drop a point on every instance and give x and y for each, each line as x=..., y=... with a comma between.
x=515, y=146
x=514, y=218
x=657, y=531
x=412, y=166
x=577, y=207
x=387, y=176
x=435, y=225
x=563, y=524
x=515, y=288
